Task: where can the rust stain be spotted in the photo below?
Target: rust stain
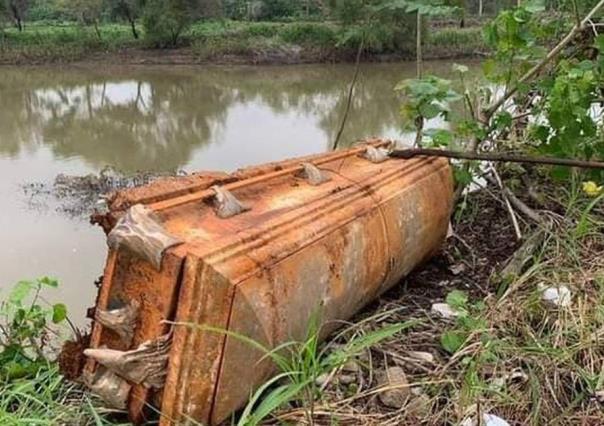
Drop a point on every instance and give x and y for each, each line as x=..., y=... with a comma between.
x=332, y=247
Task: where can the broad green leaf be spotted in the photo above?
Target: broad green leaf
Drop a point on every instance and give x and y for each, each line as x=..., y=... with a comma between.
x=59, y=313
x=50, y=282
x=452, y=341
x=457, y=299
x=19, y=292
x=462, y=176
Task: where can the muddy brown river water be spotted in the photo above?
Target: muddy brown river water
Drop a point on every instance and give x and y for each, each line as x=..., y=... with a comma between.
x=78, y=120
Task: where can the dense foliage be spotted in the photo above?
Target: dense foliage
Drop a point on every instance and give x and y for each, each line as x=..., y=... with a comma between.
x=530, y=99
x=166, y=21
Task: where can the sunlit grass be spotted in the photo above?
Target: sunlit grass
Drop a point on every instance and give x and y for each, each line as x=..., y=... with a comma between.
x=49, y=399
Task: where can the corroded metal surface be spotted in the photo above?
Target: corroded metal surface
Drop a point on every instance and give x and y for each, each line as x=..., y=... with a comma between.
x=263, y=272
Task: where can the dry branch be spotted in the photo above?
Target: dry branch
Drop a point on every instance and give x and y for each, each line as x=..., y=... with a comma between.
x=499, y=157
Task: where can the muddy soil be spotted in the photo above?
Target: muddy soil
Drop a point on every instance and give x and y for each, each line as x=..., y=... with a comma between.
x=82, y=196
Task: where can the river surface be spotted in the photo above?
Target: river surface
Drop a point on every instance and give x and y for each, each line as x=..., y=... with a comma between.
x=79, y=120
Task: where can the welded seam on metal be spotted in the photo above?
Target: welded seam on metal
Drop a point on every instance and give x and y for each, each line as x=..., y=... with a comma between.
x=170, y=317
x=318, y=237
x=103, y=301
x=277, y=229
x=192, y=336
x=202, y=195
x=380, y=211
x=254, y=242
x=303, y=217
x=223, y=348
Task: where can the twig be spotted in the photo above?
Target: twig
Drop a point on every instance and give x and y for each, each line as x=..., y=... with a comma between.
x=501, y=157
x=350, y=93
x=522, y=207
x=516, y=262
x=519, y=204
x=508, y=205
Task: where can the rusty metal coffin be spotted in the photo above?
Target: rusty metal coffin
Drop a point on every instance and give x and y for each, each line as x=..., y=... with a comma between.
x=256, y=253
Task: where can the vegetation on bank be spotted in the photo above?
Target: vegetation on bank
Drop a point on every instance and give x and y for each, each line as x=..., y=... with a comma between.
x=224, y=41
x=273, y=30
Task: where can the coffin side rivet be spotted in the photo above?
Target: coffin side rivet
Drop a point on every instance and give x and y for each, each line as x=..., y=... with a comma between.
x=313, y=175
x=227, y=205
x=122, y=320
x=140, y=231
x=376, y=155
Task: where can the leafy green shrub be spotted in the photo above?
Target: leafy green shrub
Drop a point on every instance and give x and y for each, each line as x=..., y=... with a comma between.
x=309, y=33
x=25, y=327
x=166, y=20
x=262, y=29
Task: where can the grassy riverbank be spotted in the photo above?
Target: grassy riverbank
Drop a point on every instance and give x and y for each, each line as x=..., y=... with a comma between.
x=222, y=42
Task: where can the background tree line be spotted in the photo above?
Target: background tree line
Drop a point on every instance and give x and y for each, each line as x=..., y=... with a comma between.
x=164, y=21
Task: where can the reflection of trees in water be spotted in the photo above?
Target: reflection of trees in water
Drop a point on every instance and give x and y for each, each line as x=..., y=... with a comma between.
x=320, y=91
x=155, y=118
x=152, y=123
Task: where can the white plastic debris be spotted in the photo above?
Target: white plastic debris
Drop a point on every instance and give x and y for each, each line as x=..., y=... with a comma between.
x=557, y=296
x=487, y=420
x=444, y=310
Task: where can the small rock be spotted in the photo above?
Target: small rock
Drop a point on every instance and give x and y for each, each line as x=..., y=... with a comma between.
x=557, y=296
x=426, y=357
x=347, y=379
x=420, y=406
x=457, y=269
x=351, y=367
x=398, y=391
x=322, y=379
x=444, y=310
x=599, y=396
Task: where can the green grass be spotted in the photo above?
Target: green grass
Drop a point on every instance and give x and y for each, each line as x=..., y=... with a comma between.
x=299, y=364
x=453, y=42
x=48, y=399
x=67, y=42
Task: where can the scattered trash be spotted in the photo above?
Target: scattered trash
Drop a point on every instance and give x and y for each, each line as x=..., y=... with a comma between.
x=397, y=391
x=556, y=296
x=444, y=310
x=517, y=377
x=487, y=420
x=599, y=396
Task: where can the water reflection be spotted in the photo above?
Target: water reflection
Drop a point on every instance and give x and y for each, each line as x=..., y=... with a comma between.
x=154, y=119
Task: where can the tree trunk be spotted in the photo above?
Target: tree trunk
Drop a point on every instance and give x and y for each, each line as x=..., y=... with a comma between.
x=480, y=5
x=17, y=18
x=97, y=30
x=133, y=26
x=418, y=46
